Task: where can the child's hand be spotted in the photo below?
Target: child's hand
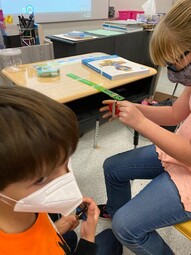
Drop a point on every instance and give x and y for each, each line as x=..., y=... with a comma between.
x=88, y=227
x=107, y=107
x=129, y=114
x=66, y=223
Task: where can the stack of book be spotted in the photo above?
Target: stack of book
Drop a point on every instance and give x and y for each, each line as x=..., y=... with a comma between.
x=127, y=26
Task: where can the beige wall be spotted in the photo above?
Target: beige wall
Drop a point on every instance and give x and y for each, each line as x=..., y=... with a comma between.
x=161, y=5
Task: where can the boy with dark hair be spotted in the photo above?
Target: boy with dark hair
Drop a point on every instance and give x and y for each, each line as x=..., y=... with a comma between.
x=37, y=138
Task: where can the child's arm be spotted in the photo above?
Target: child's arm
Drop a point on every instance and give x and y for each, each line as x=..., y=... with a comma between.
x=146, y=120
x=168, y=115
x=86, y=244
x=173, y=144
x=88, y=227
x=161, y=115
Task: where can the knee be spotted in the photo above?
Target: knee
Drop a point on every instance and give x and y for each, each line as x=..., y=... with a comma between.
x=108, y=165
x=123, y=228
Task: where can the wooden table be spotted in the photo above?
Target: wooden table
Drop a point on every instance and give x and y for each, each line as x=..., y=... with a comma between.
x=84, y=100
x=62, y=88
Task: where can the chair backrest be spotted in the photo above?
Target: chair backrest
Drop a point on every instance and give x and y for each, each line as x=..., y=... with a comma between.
x=184, y=228
x=36, y=53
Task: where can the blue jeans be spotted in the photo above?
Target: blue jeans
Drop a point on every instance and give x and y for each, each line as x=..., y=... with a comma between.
x=108, y=244
x=157, y=205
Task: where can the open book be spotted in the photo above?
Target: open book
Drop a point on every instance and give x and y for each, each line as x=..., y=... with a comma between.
x=114, y=67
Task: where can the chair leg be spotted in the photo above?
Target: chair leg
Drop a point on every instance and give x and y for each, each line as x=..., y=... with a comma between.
x=176, y=85
x=135, y=139
x=96, y=134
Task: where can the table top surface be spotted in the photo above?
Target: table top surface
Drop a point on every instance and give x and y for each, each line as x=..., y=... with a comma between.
x=63, y=88
x=96, y=35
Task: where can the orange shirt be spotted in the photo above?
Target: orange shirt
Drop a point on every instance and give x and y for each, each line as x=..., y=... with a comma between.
x=40, y=239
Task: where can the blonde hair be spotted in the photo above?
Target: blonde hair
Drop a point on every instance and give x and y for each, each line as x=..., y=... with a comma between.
x=172, y=36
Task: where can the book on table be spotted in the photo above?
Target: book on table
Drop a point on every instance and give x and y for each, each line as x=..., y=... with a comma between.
x=114, y=67
x=78, y=36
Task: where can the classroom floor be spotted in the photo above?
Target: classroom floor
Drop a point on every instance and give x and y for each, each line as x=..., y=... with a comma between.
x=113, y=138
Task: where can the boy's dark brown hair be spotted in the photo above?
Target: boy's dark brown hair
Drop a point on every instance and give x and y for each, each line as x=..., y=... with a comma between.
x=36, y=134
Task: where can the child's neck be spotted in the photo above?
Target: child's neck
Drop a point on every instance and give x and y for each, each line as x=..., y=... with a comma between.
x=15, y=222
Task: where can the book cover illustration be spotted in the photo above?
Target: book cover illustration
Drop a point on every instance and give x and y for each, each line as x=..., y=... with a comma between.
x=114, y=67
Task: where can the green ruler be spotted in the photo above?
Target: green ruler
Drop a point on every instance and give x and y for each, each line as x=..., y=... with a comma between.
x=100, y=88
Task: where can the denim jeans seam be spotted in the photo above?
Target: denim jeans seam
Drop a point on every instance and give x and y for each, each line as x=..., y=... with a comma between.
x=134, y=166
x=175, y=221
x=135, y=245
x=129, y=167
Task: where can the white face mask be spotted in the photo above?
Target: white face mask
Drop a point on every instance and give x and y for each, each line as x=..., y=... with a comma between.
x=62, y=195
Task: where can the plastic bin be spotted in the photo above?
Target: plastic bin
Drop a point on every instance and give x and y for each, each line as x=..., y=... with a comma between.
x=10, y=58
x=124, y=15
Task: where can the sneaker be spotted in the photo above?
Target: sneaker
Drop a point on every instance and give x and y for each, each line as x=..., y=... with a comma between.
x=103, y=212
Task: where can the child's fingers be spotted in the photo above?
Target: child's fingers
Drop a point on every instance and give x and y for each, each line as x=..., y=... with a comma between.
x=107, y=115
x=104, y=109
x=109, y=101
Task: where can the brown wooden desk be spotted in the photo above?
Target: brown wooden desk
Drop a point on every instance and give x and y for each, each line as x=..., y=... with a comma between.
x=85, y=101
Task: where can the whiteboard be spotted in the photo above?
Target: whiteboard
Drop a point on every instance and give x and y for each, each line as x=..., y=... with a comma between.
x=46, y=11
